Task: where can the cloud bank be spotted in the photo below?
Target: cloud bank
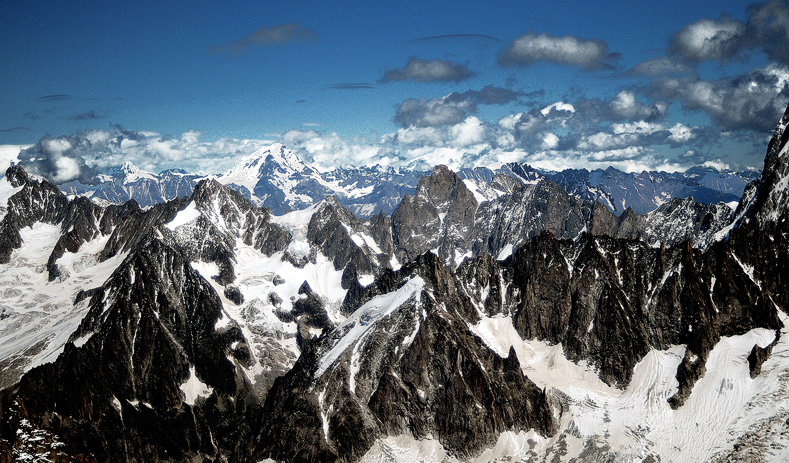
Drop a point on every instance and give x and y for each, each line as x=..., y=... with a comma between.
x=83, y=155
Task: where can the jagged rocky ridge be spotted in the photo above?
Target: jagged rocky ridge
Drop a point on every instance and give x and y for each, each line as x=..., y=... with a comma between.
x=216, y=331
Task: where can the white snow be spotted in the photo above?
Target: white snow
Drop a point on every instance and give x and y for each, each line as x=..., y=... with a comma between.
x=6, y=191
x=259, y=278
x=395, y=263
x=296, y=223
x=512, y=446
x=369, y=242
x=461, y=255
x=79, y=342
x=505, y=252
x=359, y=324
x=193, y=388
x=405, y=449
x=474, y=189
x=637, y=421
x=324, y=413
x=248, y=172
x=10, y=154
x=40, y=315
x=183, y=217
x=748, y=269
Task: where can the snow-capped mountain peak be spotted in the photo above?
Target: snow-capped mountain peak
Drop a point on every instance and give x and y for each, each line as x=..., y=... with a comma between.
x=129, y=172
x=275, y=157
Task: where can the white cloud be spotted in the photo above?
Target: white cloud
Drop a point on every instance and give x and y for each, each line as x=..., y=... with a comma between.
x=434, y=112
x=436, y=70
x=509, y=122
x=68, y=169
x=470, y=131
x=559, y=106
x=681, y=133
x=754, y=101
x=58, y=145
x=626, y=106
x=328, y=150
x=709, y=39
x=550, y=141
x=643, y=127
x=413, y=135
x=717, y=164
x=568, y=50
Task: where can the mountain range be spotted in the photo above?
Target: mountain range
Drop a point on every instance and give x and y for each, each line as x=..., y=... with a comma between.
x=279, y=313
x=274, y=177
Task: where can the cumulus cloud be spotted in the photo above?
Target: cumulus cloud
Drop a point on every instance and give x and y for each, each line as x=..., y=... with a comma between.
x=626, y=106
x=451, y=108
x=568, y=50
x=266, y=36
x=327, y=150
x=491, y=95
x=765, y=29
x=420, y=70
x=469, y=132
x=618, y=138
x=420, y=136
x=57, y=160
x=659, y=67
x=753, y=101
x=433, y=112
x=709, y=39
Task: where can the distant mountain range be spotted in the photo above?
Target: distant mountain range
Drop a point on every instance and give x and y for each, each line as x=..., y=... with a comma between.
x=276, y=178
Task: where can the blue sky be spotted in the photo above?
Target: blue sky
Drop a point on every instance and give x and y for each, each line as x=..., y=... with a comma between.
x=197, y=85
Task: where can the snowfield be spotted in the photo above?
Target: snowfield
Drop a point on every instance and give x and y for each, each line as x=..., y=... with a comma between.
x=39, y=315
x=726, y=407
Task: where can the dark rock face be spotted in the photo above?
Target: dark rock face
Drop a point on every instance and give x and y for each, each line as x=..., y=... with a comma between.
x=349, y=241
x=36, y=202
x=609, y=301
x=226, y=216
x=150, y=329
x=766, y=198
x=684, y=219
x=440, y=217
x=530, y=209
x=423, y=372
